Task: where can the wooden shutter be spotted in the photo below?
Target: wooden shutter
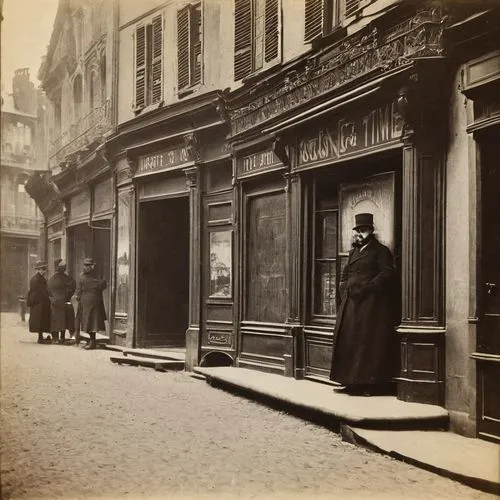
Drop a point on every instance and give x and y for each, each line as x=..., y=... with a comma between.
x=183, y=48
x=351, y=6
x=157, y=59
x=195, y=27
x=271, y=39
x=314, y=19
x=140, y=67
x=242, y=38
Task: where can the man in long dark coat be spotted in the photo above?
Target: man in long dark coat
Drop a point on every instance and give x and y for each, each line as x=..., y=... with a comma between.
x=365, y=347
x=91, y=304
x=61, y=288
x=38, y=302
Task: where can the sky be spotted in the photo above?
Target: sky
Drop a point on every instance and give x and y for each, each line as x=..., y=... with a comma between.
x=26, y=29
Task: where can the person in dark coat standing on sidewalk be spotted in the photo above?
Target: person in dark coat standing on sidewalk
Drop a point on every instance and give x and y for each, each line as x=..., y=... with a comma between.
x=61, y=288
x=364, y=357
x=91, y=304
x=38, y=302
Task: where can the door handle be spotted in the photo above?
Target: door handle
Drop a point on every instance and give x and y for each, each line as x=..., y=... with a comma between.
x=491, y=288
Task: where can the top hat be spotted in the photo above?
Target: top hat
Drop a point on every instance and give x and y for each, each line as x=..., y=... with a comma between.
x=361, y=220
x=88, y=261
x=40, y=264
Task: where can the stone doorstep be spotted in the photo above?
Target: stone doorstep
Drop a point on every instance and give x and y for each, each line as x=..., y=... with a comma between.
x=170, y=355
x=312, y=399
x=157, y=364
x=471, y=461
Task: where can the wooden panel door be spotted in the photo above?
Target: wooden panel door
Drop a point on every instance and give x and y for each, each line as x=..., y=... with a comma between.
x=488, y=342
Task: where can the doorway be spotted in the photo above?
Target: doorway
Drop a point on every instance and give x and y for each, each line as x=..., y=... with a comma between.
x=163, y=278
x=488, y=340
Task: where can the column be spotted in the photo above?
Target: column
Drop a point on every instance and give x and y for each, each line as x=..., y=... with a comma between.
x=193, y=331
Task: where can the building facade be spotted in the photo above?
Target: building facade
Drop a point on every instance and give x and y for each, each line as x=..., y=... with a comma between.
x=247, y=137
x=22, y=153
x=77, y=199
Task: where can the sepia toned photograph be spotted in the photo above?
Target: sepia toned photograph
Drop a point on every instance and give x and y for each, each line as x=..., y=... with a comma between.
x=249, y=249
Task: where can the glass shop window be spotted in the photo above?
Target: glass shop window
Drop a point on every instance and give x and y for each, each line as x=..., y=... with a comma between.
x=324, y=252
x=266, y=258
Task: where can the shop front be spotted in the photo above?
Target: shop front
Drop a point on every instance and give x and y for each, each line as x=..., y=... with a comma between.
x=298, y=197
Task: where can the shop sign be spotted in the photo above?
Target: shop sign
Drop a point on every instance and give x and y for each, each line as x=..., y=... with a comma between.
x=346, y=136
x=163, y=160
x=258, y=162
x=219, y=338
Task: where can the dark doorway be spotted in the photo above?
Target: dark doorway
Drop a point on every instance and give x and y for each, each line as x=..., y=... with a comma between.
x=163, y=280
x=488, y=340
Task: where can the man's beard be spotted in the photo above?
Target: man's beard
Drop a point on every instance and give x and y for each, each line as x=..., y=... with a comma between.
x=361, y=242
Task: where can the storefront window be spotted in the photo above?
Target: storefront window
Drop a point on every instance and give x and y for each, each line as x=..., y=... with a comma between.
x=266, y=258
x=325, y=250
x=220, y=263
x=123, y=253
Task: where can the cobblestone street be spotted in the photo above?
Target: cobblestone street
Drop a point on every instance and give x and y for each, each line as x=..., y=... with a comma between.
x=74, y=425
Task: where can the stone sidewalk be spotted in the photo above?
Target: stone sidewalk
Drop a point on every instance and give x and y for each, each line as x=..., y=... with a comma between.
x=406, y=431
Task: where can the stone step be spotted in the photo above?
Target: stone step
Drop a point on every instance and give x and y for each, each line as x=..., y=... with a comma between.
x=161, y=365
x=154, y=354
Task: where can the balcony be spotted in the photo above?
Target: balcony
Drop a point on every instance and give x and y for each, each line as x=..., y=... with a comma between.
x=86, y=131
x=22, y=226
x=24, y=160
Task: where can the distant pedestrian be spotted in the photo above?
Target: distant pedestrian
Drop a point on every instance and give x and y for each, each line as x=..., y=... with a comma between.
x=91, y=304
x=38, y=302
x=62, y=316
x=364, y=351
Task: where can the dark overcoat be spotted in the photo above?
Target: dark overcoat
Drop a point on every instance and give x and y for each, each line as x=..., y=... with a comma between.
x=62, y=316
x=39, y=304
x=91, y=304
x=365, y=345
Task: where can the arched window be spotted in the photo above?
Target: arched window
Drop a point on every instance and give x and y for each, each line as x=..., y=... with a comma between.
x=77, y=96
x=94, y=91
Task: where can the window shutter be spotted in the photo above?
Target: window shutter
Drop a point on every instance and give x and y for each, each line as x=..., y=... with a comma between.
x=195, y=26
x=314, y=19
x=242, y=38
x=157, y=60
x=351, y=6
x=183, y=48
x=140, y=67
x=271, y=40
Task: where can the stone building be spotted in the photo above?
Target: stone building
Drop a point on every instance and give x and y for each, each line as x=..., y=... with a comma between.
x=23, y=152
x=246, y=135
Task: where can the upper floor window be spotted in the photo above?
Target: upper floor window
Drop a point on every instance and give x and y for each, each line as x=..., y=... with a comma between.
x=256, y=35
x=189, y=59
x=321, y=18
x=149, y=63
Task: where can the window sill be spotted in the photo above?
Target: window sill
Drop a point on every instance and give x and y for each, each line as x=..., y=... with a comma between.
x=148, y=108
x=185, y=92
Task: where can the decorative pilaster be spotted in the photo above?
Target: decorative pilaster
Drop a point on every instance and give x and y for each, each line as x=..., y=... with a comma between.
x=422, y=326
x=193, y=331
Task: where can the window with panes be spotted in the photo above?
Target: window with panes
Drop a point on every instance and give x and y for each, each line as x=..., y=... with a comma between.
x=256, y=35
x=324, y=251
x=321, y=18
x=149, y=63
x=189, y=51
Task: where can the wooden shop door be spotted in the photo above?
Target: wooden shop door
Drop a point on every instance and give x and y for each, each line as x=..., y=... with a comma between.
x=488, y=340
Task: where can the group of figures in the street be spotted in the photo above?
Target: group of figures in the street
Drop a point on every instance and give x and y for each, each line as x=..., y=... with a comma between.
x=51, y=309
x=365, y=350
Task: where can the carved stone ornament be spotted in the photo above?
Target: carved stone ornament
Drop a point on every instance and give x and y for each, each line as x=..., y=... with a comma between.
x=191, y=176
x=192, y=146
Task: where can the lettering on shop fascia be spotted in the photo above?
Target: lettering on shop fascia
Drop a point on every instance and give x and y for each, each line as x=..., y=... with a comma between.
x=348, y=135
x=258, y=162
x=218, y=338
x=417, y=37
x=163, y=160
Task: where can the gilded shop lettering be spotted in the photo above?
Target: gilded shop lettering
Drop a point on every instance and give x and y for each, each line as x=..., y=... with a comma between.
x=349, y=135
